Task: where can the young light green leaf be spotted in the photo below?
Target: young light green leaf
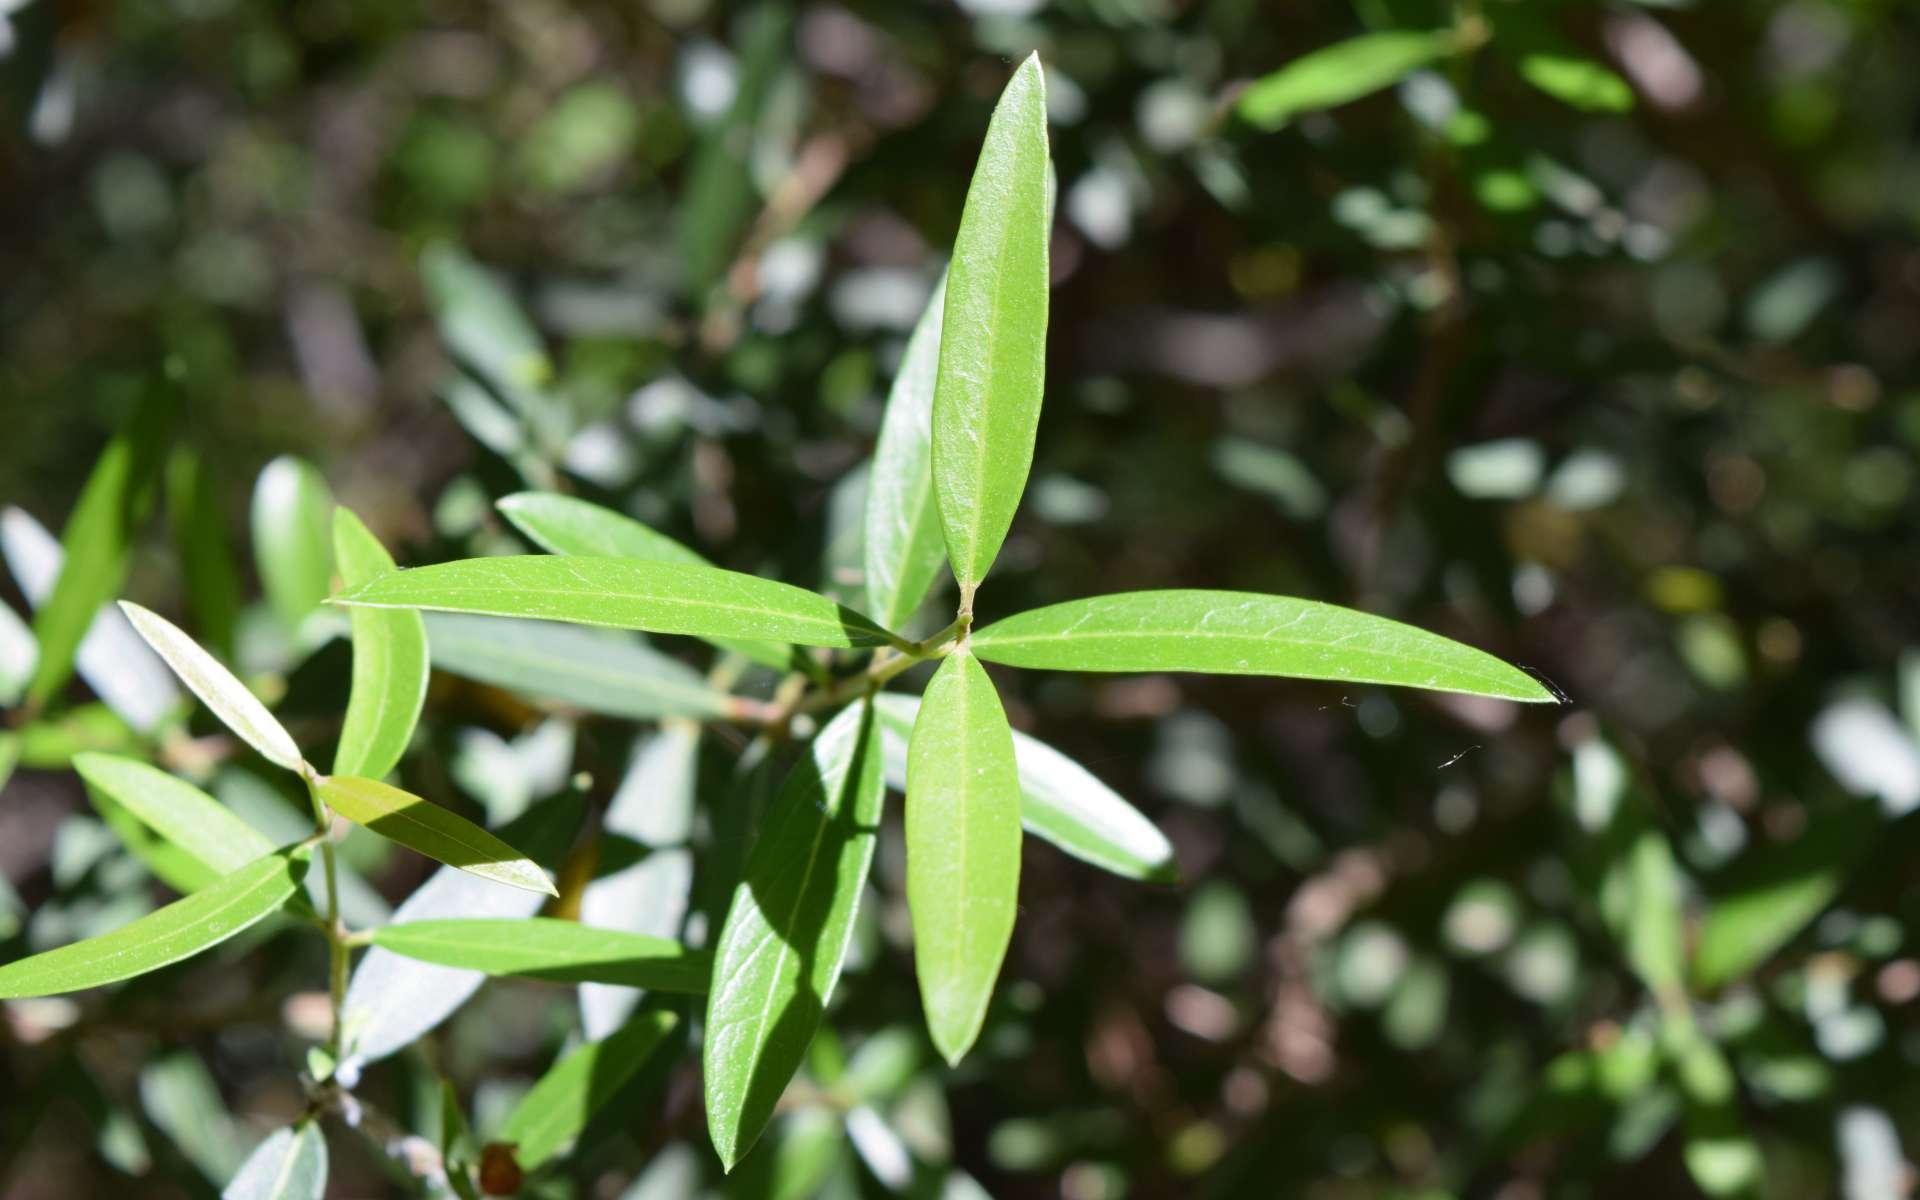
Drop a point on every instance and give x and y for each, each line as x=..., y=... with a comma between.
x=199, y=529
x=290, y=1165
x=292, y=542
x=567, y=525
x=1060, y=801
x=624, y=594
x=389, y=661
x=214, y=841
x=557, y=950
x=1243, y=633
x=993, y=336
x=1342, y=72
x=162, y=937
x=786, y=933
x=237, y=708
x=963, y=849
x=97, y=540
x=588, y=669
x=394, y=1001
x=1653, y=932
x=436, y=832
x=904, y=543
x=1772, y=892
x=552, y=1114
x=1581, y=82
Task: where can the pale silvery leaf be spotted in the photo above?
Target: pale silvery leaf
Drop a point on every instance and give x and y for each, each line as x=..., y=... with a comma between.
x=237, y=708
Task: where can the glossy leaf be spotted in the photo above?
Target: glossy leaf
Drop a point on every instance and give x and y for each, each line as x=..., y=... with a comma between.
x=162, y=937
x=566, y=525
x=624, y=594
x=963, y=849
x=97, y=540
x=237, y=708
x=780, y=951
x=438, y=833
x=1060, y=801
x=127, y=676
x=290, y=1165
x=393, y=1001
x=556, y=950
x=589, y=669
x=993, y=338
x=1771, y=893
x=389, y=662
x=292, y=537
x=904, y=544
x=552, y=1114
x=214, y=840
x=1242, y=633
x=1342, y=72
x=1581, y=82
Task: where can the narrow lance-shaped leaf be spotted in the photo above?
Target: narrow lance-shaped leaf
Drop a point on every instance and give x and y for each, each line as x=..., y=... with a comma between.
x=552, y=1114
x=993, y=339
x=97, y=538
x=394, y=1001
x=213, y=839
x=1344, y=71
x=18, y=653
x=292, y=542
x=568, y=525
x=1243, y=633
x=589, y=669
x=551, y=949
x=786, y=933
x=904, y=543
x=237, y=708
x=624, y=594
x=963, y=849
x=162, y=937
x=290, y=1165
x=389, y=662
x=436, y=832
x=1060, y=801
x=1581, y=82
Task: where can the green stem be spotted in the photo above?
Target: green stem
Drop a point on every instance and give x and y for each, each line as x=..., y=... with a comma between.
x=339, y=954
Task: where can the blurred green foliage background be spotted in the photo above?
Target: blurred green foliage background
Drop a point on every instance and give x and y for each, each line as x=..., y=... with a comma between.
x=1589, y=342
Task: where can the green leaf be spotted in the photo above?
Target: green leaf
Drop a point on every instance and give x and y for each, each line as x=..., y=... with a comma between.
x=1060, y=801
x=588, y=669
x=1654, y=935
x=993, y=336
x=237, y=708
x=1581, y=82
x=624, y=594
x=389, y=662
x=206, y=552
x=566, y=525
x=1773, y=891
x=213, y=840
x=436, y=832
x=1242, y=633
x=162, y=937
x=963, y=849
x=552, y=1114
x=483, y=325
x=904, y=542
x=1336, y=74
x=551, y=949
x=720, y=198
x=292, y=539
x=1719, y=1152
x=394, y=1001
x=786, y=933
x=290, y=1165
x=97, y=540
